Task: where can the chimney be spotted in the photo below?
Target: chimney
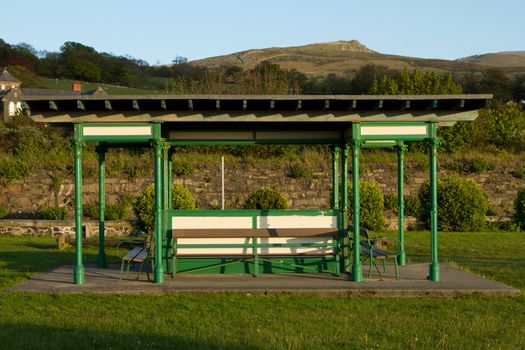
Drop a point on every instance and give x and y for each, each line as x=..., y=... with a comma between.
x=77, y=87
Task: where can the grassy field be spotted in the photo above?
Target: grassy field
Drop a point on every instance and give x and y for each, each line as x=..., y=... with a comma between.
x=65, y=84
x=273, y=321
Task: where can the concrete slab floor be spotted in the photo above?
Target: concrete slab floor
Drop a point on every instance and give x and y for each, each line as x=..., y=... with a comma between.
x=412, y=283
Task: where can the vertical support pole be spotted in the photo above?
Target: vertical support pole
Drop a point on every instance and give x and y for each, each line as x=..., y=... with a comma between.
x=78, y=272
x=101, y=259
x=401, y=150
x=335, y=205
x=433, y=143
x=222, y=183
x=357, y=269
x=166, y=241
x=158, y=146
x=170, y=178
x=335, y=176
x=344, y=200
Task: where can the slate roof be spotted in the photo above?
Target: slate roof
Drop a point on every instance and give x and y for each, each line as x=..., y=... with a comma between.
x=239, y=109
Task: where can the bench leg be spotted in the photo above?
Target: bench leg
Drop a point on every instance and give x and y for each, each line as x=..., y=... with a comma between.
x=396, y=268
x=255, y=258
x=121, y=270
x=140, y=270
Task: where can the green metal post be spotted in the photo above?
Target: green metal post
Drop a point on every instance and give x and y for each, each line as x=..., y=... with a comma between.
x=101, y=259
x=401, y=150
x=335, y=176
x=344, y=200
x=170, y=179
x=357, y=269
x=433, y=144
x=335, y=205
x=165, y=205
x=78, y=272
x=158, y=146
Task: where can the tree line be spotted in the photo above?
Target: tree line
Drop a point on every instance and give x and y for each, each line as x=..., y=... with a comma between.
x=77, y=61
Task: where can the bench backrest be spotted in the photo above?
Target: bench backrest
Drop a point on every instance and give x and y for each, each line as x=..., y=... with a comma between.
x=271, y=227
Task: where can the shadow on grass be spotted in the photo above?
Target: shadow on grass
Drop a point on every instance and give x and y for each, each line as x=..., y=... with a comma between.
x=31, y=336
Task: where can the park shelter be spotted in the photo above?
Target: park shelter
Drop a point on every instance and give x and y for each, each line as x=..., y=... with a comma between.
x=349, y=123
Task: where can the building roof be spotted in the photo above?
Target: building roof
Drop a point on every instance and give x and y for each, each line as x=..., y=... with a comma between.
x=7, y=77
x=260, y=109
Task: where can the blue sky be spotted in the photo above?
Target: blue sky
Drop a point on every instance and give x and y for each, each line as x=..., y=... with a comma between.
x=157, y=31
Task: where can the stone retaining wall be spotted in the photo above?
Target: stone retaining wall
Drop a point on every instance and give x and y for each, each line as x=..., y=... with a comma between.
x=25, y=198
x=64, y=227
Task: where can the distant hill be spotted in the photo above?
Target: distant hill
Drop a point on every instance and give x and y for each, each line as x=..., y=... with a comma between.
x=341, y=57
x=512, y=62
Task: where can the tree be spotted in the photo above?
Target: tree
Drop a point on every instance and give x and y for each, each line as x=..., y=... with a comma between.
x=366, y=75
x=415, y=83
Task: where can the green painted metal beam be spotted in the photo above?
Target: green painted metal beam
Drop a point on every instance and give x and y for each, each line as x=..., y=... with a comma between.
x=158, y=146
x=433, y=143
x=344, y=212
x=401, y=150
x=101, y=258
x=357, y=269
x=78, y=271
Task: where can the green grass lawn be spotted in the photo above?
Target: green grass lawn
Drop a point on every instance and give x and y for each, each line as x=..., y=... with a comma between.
x=273, y=321
x=65, y=84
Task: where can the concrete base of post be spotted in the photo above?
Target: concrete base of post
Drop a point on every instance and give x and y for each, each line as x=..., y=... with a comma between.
x=102, y=261
x=158, y=274
x=357, y=273
x=402, y=258
x=434, y=272
x=79, y=275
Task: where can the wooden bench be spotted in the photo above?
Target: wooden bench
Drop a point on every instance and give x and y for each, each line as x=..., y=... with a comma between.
x=256, y=236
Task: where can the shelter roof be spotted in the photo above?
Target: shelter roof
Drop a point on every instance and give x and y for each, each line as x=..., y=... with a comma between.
x=260, y=109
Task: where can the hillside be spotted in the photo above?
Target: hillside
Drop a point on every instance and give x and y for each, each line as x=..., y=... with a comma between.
x=512, y=62
x=341, y=57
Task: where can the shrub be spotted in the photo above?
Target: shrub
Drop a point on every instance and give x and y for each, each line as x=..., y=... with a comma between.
x=266, y=198
x=14, y=169
x=462, y=204
x=133, y=170
x=144, y=206
x=412, y=205
x=117, y=211
x=519, y=208
x=298, y=171
x=90, y=211
x=181, y=169
x=473, y=165
x=390, y=201
x=519, y=173
x=4, y=213
x=371, y=206
x=53, y=213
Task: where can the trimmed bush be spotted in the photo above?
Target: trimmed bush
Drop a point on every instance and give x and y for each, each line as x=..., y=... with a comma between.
x=53, y=213
x=462, y=204
x=4, y=213
x=519, y=208
x=372, y=205
x=144, y=206
x=266, y=198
